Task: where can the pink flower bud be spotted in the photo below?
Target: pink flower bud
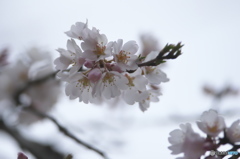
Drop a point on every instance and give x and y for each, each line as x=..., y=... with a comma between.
x=89, y=64
x=22, y=156
x=113, y=67
x=94, y=75
x=116, y=68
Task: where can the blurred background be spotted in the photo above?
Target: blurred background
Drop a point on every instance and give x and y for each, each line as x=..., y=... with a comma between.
x=209, y=31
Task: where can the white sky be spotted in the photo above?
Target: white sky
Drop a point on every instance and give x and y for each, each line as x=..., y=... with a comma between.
x=209, y=30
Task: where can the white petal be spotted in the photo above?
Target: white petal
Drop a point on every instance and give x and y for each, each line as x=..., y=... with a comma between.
x=128, y=98
x=130, y=46
x=140, y=83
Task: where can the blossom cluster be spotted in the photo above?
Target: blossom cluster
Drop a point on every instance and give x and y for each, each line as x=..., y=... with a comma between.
x=99, y=69
x=192, y=145
x=16, y=82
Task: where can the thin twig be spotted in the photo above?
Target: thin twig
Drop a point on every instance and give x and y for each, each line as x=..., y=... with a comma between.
x=168, y=52
x=66, y=132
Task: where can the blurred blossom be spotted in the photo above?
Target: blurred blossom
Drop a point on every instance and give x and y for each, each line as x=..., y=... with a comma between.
x=233, y=132
x=149, y=43
x=32, y=65
x=193, y=146
x=211, y=123
x=186, y=141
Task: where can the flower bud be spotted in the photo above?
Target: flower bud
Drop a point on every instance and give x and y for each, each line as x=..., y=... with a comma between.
x=89, y=64
x=22, y=156
x=94, y=75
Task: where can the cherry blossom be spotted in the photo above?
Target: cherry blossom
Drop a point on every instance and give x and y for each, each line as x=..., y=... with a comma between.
x=96, y=46
x=211, y=123
x=233, y=132
x=110, y=85
x=185, y=140
x=154, y=73
x=34, y=64
x=124, y=55
x=149, y=44
x=98, y=69
x=193, y=146
x=78, y=31
x=71, y=56
x=136, y=90
x=151, y=96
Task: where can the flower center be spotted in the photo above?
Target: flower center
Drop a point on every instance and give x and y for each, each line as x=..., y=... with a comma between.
x=99, y=50
x=122, y=56
x=213, y=128
x=108, y=79
x=130, y=80
x=83, y=83
x=149, y=69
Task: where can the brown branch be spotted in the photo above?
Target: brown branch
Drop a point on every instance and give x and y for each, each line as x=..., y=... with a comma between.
x=30, y=84
x=40, y=151
x=168, y=52
x=3, y=57
x=66, y=132
x=62, y=129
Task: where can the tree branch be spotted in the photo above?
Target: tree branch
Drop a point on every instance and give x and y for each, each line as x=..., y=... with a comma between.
x=40, y=114
x=168, y=52
x=40, y=151
x=30, y=84
x=66, y=132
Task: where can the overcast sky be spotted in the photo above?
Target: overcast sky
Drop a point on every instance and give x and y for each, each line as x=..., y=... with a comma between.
x=208, y=29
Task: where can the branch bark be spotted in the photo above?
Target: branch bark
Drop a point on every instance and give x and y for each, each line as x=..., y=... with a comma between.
x=40, y=151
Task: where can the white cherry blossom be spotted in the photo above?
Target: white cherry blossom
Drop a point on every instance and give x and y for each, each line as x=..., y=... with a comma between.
x=136, y=88
x=233, y=132
x=149, y=44
x=110, y=85
x=154, y=73
x=78, y=31
x=151, y=96
x=71, y=56
x=96, y=46
x=211, y=123
x=186, y=141
x=124, y=55
x=98, y=69
x=32, y=65
x=79, y=86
